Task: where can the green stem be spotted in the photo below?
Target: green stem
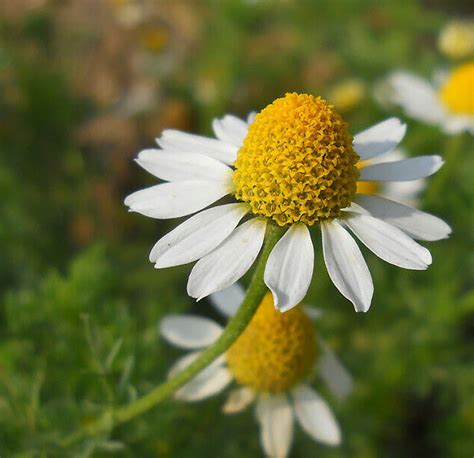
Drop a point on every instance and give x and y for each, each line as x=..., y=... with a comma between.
x=234, y=328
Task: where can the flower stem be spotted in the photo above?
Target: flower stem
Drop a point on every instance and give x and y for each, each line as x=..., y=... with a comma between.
x=234, y=328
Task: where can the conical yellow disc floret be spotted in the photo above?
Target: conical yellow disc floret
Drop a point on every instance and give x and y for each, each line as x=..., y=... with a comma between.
x=297, y=162
x=457, y=93
x=275, y=351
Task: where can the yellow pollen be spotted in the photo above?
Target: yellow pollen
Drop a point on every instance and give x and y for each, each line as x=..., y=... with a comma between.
x=297, y=162
x=457, y=93
x=275, y=351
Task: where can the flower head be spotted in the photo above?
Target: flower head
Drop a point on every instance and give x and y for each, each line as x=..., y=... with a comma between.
x=294, y=165
x=271, y=362
x=449, y=104
x=456, y=40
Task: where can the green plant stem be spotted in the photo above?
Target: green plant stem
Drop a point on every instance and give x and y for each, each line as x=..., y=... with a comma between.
x=234, y=328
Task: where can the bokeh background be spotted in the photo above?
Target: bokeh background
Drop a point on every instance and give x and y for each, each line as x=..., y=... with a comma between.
x=84, y=85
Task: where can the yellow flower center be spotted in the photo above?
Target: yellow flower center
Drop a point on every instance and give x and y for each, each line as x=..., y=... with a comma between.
x=457, y=93
x=297, y=162
x=275, y=351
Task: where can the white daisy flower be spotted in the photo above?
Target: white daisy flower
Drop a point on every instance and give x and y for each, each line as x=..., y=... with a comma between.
x=448, y=103
x=294, y=165
x=271, y=362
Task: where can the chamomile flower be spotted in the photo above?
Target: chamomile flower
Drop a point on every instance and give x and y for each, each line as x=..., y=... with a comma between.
x=271, y=362
x=448, y=103
x=293, y=165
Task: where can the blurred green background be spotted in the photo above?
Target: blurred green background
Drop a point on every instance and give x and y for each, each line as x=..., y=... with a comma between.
x=84, y=85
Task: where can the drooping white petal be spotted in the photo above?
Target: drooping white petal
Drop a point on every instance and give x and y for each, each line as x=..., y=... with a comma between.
x=197, y=236
x=388, y=242
x=229, y=261
x=416, y=96
x=275, y=416
x=189, y=331
x=209, y=382
x=175, y=140
x=337, y=377
x=173, y=166
x=379, y=139
x=417, y=224
x=238, y=400
x=404, y=170
x=230, y=129
x=315, y=416
x=290, y=267
x=228, y=300
x=179, y=198
x=346, y=265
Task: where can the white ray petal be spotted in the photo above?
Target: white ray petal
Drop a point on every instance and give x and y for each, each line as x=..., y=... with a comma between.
x=197, y=236
x=209, y=382
x=289, y=267
x=228, y=300
x=179, y=198
x=175, y=140
x=315, y=416
x=379, y=139
x=172, y=166
x=334, y=373
x=346, y=265
x=416, y=96
x=238, y=400
x=417, y=224
x=251, y=117
x=275, y=416
x=404, y=170
x=189, y=331
x=388, y=242
x=230, y=129
x=229, y=261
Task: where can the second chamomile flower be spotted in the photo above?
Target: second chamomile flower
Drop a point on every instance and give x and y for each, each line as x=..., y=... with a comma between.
x=448, y=102
x=295, y=165
x=272, y=362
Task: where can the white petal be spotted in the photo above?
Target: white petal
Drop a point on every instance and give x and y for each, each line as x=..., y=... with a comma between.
x=346, y=265
x=379, y=139
x=275, y=416
x=209, y=382
x=175, y=140
x=238, y=400
x=229, y=261
x=228, y=300
x=189, y=331
x=180, y=198
x=315, y=416
x=230, y=129
x=417, y=224
x=172, y=166
x=251, y=117
x=197, y=236
x=337, y=377
x=404, y=170
x=289, y=267
x=418, y=98
x=388, y=242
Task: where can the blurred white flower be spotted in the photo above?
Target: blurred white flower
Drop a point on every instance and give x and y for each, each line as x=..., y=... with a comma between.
x=448, y=103
x=271, y=362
